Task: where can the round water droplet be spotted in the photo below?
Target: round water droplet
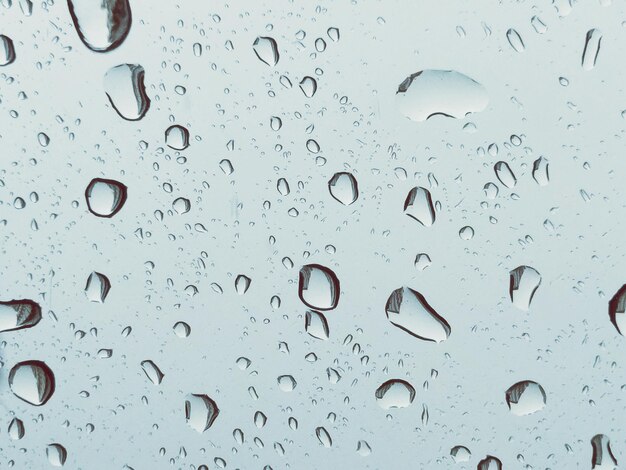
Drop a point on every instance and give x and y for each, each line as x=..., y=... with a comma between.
x=286, y=383
x=182, y=329
x=440, y=92
x=308, y=85
x=19, y=314
x=460, y=454
x=177, y=137
x=344, y=188
x=56, y=453
x=525, y=397
x=7, y=50
x=316, y=325
x=408, y=310
x=97, y=287
x=200, y=412
x=490, y=463
x=466, y=233
x=124, y=86
x=266, y=50
x=32, y=382
x=101, y=25
x=395, y=393
x=333, y=34
x=105, y=197
x=318, y=287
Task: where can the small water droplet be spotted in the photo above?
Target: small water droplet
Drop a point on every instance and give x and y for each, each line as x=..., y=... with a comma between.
x=57, y=455
x=32, y=382
x=505, y=174
x=308, y=85
x=97, y=287
x=524, y=281
x=316, y=325
x=152, y=372
x=419, y=206
x=395, y=393
x=200, y=412
x=177, y=137
x=515, y=40
x=266, y=50
x=19, y=314
x=124, y=86
x=344, y=188
x=525, y=397
x=318, y=287
x=460, y=454
x=105, y=197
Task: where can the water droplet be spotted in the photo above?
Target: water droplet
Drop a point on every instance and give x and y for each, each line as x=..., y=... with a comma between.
x=617, y=310
x=419, y=206
x=242, y=284
x=200, y=412
x=318, y=287
x=316, y=325
x=505, y=174
x=422, y=261
x=105, y=197
x=182, y=329
x=177, y=137
x=460, y=454
x=440, y=92
x=538, y=25
x=515, y=40
x=152, y=372
x=16, y=429
x=466, y=233
x=592, y=49
x=19, y=314
x=602, y=457
x=124, y=86
x=181, y=205
x=525, y=397
x=363, y=448
x=101, y=25
x=276, y=123
x=344, y=188
x=43, y=139
x=524, y=281
x=308, y=85
x=282, y=186
x=395, y=393
x=7, y=50
x=97, y=287
x=32, y=382
x=540, y=171
x=266, y=50
x=56, y=453
x=333, y=34
x=286, y=383
x=323, y=437
x=408, y=310
x=490, y=463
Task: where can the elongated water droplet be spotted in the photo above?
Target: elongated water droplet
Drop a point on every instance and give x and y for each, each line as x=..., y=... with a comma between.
x=524, y=281
x=177, y=137
x=316, y=325
x=276, y=123
x=16, y=429
x=57, y=455
x=525, y=397
x=490, y=463
x=152, y=372
x=32, y=382
x=505, y=174
x=308, y=85
x=282, y=186
x=395, y=393
x=266, y=50
x=408, y=309
x=105, y=197
x=515, y=40
x=318, y=287
x=344, y=188
x=538, y=25
x=19, y=314
x=460, y=454
x=97, y=288
x=200, y=412
x=440, y=92
x=242, y=284
x=7, y=50
x=602, y=457
x=540, y=171
x=419, y=206
x=592, y=49
x=101, y=25
x=617, y=310
x=125, y=88
x=323, y=437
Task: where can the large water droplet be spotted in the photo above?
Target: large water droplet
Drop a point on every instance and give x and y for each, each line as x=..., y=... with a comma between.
x=617, y=310
x=97, y=288
x=318, y=287
x=316, y=325
x=152, y=371
x=408, y=309
x=490, y=463
x=602, y=457
x=440, y=92
x=515, y=40
x=18, y=314
x=200, y=412
x=460, y=454
x=525, y=397
x=7, y=50
x=524, y=281
x=395, y=393
x=57, y=455
x=266, y=50
x=419, y=206
x=505, y=174
x=592, y=49
x=102, y=25
x=308, y=85
x=32, y=381
x=124, y=86
x=177, y=137
x=105, y=197
x=344, y=188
